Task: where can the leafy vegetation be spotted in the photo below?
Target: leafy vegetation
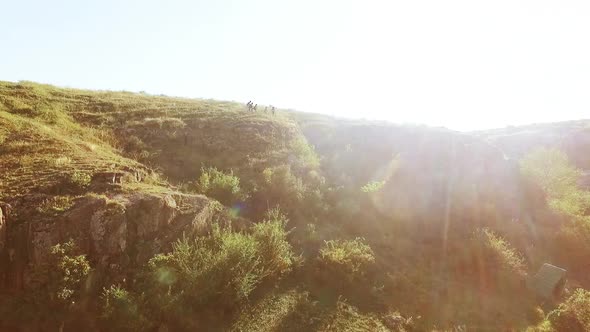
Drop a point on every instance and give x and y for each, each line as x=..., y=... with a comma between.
x=218, y=271
x=120, y=311
x=573, y=314
x=56, y=299
x=224, y=187
x=499, y=254
x=314, y=223
x=372, y=186
x=552, y=170
x=348, y=258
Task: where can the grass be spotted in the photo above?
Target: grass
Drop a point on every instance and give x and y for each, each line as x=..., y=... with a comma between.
x=56, y=204
x=295, y=310
x=49, y=133
x=37, y=155
x=57, y=144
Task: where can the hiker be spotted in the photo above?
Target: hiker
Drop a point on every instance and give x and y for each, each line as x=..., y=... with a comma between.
x=274, y=110
x=255, y=107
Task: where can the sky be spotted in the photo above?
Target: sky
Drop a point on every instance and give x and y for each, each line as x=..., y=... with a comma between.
x=461, y=64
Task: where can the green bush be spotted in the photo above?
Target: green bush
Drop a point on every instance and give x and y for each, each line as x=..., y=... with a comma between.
x=535, y=315
x=80, y=180
x=306, y=153
x=216, y=271
x=552, y=170
x=574, y=314
x=120, y=311
x=346, y=317
x=497, y=257
x=225, y=187
x=373, y=186
x=347, y=257
x=275, y=250
x=55, y=204
x=66, y=272
x=572, y=243
x=279, y=187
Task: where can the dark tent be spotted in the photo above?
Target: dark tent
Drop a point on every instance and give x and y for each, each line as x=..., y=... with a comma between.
x=548, y=282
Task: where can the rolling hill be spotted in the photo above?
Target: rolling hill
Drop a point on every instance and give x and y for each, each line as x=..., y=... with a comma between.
x=126, y=211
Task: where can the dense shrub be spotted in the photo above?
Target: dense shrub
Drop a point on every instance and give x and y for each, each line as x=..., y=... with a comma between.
x=224, y=187
x=349, y=258
x=552, y=170
x=134, y=144
x=276, y=252
x=55, y=204
x=65, y=272
x=306, y=153
x=535, y=315
x=120, y=311
x=572, y=243
x=373, y=186
x=498, y=258
x=223, y=267
x=346, y=317
x=79, y=180
x=279, y=186
x=282, y=185
x=215, y=271
x=573, y=314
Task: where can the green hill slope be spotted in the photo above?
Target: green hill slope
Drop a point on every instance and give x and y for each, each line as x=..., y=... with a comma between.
x=188, y=214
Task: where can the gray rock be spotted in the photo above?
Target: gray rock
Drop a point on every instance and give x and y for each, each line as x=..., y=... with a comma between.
x=114, y=233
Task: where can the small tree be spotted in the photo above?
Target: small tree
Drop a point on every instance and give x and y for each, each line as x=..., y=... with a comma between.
x=574, y=314
x=120, y=311
x=218, y=271
x=276, y=252
x=223, y=186
x=552, y=170
x=67, y=273
x=60, y=282
x=349, y=258
x=498, y=258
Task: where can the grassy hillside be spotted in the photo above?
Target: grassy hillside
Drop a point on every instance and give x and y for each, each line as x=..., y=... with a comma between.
x=187, y=214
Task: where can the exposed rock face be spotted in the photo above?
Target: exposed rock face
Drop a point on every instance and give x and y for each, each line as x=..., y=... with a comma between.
x=2, y=229
x=3, y=253
x=116, y=233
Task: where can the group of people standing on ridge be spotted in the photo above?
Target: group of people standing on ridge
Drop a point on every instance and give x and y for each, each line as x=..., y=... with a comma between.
x=252, y=108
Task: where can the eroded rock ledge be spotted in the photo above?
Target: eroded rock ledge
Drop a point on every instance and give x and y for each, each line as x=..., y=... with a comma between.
x=115, y=232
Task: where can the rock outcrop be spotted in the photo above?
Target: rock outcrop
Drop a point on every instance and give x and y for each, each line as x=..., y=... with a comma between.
x=115, y=232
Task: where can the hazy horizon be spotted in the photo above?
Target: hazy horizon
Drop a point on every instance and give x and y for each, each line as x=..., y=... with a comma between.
x=457, y=64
